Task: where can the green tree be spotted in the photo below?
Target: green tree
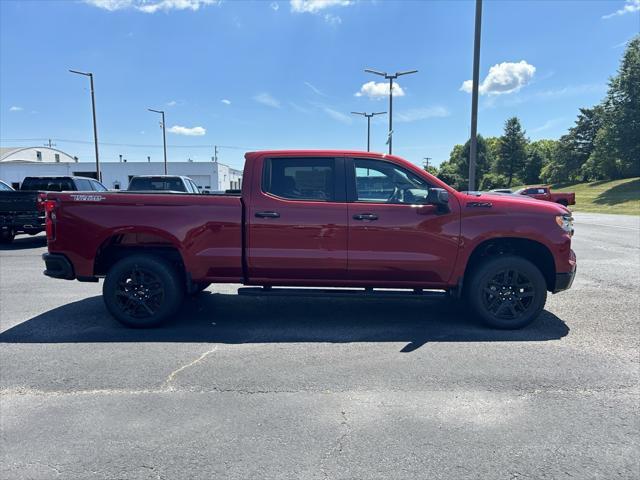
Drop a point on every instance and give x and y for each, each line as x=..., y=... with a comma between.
x=617, y=146
x=512, y=150
x=455, y=171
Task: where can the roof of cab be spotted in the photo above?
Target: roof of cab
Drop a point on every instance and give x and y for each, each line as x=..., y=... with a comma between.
x=319, y=153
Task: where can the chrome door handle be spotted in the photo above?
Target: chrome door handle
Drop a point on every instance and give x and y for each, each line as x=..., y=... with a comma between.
x=267, y=214
x=365, y=216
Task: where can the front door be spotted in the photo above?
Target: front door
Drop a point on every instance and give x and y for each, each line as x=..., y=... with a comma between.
x=298, y=222
x=395, y=237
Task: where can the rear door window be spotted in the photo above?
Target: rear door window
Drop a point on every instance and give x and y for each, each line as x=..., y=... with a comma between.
x=311, y=179
x=83, y=185
x=97, y=186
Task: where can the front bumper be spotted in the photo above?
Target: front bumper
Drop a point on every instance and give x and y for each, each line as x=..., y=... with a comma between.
x=564, y=280
x=58, y=266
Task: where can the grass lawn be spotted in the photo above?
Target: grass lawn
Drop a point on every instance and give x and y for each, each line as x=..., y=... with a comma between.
x=617, y=196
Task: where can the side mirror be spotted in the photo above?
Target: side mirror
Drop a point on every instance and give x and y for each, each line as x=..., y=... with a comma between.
x=438, y=196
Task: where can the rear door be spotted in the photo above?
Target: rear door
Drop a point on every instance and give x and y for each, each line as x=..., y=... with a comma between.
x=395, y=236
x=297, y=221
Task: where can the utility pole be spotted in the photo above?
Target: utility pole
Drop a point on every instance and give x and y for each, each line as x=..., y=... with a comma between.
x=164, y=137
x=426, y=162
x=49, y=144
x=368, y=116
x=391, y=78
x=473, y=146
x=215, y=154
x=95, y=127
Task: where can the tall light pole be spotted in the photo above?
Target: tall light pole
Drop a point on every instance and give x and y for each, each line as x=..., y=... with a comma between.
x=368, y=115
x=473, y=146
x=391, y=78
x=95, y=127
x=164, y=137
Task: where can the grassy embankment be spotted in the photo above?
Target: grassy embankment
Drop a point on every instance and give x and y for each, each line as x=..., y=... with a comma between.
x=616, y=196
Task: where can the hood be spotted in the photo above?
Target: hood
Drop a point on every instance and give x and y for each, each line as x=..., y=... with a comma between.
x=515, y=203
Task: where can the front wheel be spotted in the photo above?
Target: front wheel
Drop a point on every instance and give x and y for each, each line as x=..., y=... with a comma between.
x=507, y=292
x=142, y=291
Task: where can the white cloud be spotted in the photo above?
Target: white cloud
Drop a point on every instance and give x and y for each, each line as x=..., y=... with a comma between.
x=188, y=131
x=506, y=77
x=315, y=6
x=415, y=114
x=226, y=101
x=172, y=103
x=549, y=124
x=151, y=6
x=379, y=90
x=573, y=90
x=267, y=99
x=315, y=89
x=336, y=115
x=15, y=109
x=630, y=6
x=275, y=6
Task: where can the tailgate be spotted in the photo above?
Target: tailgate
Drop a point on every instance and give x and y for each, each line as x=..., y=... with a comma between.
x=18, y=202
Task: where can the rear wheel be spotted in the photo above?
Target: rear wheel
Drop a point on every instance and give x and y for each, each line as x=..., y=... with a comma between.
x=142, y=291
x=563, y=202
x=507, y=292
x=7, y=236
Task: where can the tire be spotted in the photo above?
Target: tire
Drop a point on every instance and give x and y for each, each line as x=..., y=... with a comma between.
x=7, y=236
x=142, y=291
x=198, y=288
x=564, y=203
x=515, y=304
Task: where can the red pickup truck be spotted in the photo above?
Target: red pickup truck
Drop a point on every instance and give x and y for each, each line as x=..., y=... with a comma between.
x=545, y=193
x=315, y=219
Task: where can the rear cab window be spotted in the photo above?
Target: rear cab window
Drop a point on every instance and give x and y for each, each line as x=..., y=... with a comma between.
x=304, y=179
x=48, y=184
x=157, y=184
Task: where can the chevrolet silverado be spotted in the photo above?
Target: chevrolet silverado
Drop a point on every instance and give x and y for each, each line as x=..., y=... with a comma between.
x=318, y=219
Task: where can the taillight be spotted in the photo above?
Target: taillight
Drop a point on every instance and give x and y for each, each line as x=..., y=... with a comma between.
x=41, y=198
x=50, y=218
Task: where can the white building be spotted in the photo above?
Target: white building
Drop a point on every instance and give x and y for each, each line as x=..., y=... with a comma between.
x=18, y=163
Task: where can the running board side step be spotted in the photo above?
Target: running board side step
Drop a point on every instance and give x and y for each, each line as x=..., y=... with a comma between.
x=338, y=293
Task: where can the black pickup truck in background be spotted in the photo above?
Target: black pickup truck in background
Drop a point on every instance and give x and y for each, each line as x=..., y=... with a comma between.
x=22, y=211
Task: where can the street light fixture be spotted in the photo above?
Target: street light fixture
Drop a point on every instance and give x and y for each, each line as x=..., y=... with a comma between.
x=95, y=127
x=368, y=115
x=391, y=78
x=164, y=137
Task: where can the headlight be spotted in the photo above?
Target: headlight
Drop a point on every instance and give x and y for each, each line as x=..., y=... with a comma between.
x=565, y=222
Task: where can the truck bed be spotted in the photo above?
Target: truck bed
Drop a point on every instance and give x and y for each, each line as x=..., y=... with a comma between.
x=204, y=230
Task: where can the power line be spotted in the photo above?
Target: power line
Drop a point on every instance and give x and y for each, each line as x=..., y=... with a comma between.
x=133, y=145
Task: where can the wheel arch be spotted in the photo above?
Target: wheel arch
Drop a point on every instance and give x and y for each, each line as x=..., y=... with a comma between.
x=531, y=250
x=121, y=244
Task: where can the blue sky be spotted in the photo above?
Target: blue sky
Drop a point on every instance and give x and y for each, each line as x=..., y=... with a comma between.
x=286, y=74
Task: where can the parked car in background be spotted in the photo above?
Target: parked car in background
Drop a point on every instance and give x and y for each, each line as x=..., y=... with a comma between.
x=162, y=183
x=501, y=190
x=23, y=211
x=545, y=193
x=315, y=219
x=61, y=184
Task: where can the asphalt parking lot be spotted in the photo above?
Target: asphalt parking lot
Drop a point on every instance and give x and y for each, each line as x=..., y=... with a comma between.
x=323, y=388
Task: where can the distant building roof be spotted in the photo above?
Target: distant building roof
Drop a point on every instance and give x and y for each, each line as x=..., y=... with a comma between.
x=34, y=154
